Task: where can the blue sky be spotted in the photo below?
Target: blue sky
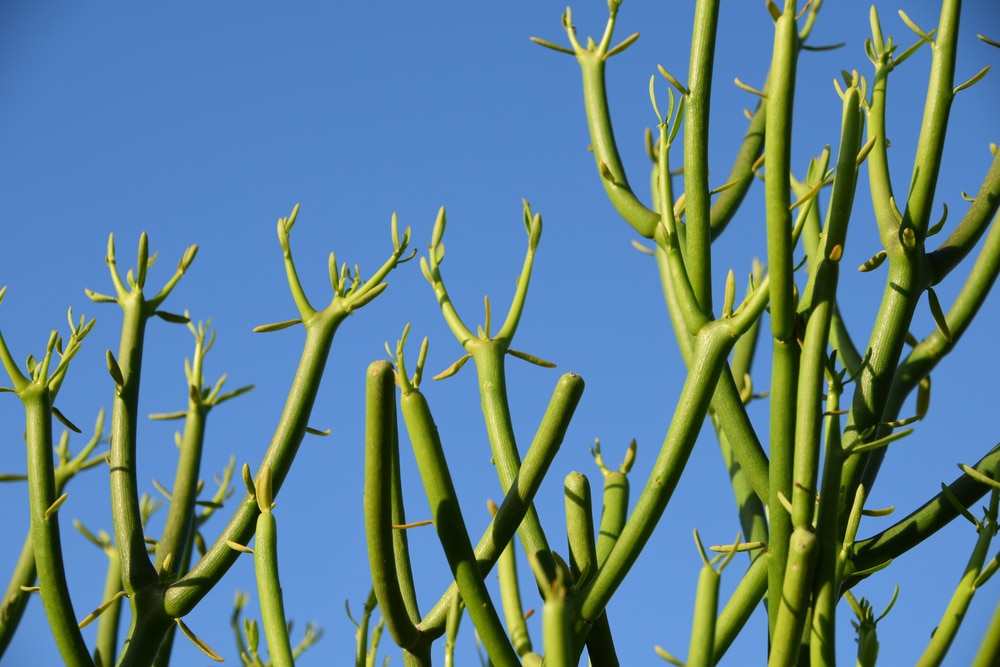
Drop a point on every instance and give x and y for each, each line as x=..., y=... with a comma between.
x=204, y=123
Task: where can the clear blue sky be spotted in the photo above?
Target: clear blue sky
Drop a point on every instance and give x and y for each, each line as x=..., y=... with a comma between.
x=205, y=122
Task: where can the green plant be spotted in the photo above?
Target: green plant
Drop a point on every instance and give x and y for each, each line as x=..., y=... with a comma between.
x=836, y=402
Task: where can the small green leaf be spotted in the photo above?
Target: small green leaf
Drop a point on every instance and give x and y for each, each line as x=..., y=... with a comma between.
x=167, y=416
x=730, y=296
x=865, y=150
x=232, y=394
x=65, y=422
x=197, y=641
x=663, y=652
x=749, y=89
x=92, y=616
x=923, y=396
x=115, y=370
x=873, y=263
x=56, y=504
x=172, y=317
x=940, y=224
x=454, y=368
x=538, y=361
x=277, y=326
x=973, y=81
x=241, y=548
x=264, y=495
x=978, y=476
x=437, y=233
x=606, y=174
x=881, y=442
x=549, y=45
x=913, y=26
x=624, y=44
x=938, y=314
x=97, y=297
x=248, y=480
x=959, y=507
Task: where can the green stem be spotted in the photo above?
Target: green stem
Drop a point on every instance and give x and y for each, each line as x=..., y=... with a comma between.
x=54, y=589
x=742, y=173
x=15, y=599
x=923, y=522
x=579, y=527
x=903, y=239
x=972, y=226
x=785, y=355
x=602, y=140
x=272, y=608
x=450, y=526
x=110, y=621
x=989, y=649
x=742, y=448
x=556, y=627
x=614, y=514
x=953, y=615
x=711, y=349
x=600, y=644
x=548, y=438
x=184, y=594
x=379, y=455
x=741, y=605
x=929, y=352
x=700, y=653
x=698, y=246
x=793, y=602
x=489, y=358
x=178, y=528
x=934, y=127
x=829, y=563
x=510, y=598
x=137, y=569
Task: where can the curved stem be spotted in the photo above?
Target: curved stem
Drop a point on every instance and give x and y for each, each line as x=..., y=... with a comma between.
x=711, y=349
x=380, y=442
x=450, y=526
x=602, y=140
x=509, y=516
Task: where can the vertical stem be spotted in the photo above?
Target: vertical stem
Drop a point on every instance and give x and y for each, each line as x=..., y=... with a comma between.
x=698, y=249
x=784, y=371
x=903, y=238
x=934, y=126
x=741, y=605
x=489, y=359
x=793, y=600
x=272, y=607
x=110, y=620
x=137, y=569
x=45, y=527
